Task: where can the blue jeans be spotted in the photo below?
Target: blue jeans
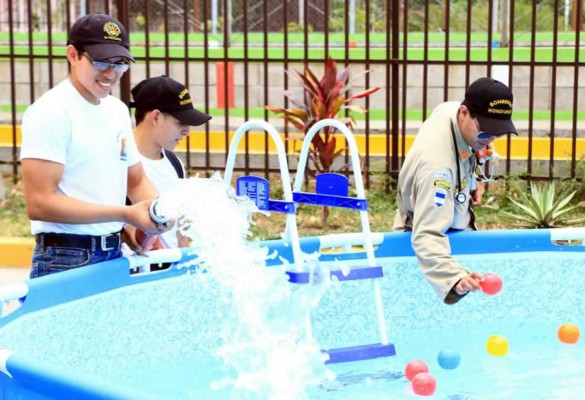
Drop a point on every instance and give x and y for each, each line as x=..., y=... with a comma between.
x=53, y=259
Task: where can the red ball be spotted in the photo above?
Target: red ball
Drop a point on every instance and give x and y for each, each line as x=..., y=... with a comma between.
x=491, y=284
x=424, y=384
x=414, y=368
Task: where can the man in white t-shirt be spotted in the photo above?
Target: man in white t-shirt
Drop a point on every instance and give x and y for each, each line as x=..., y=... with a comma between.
x=79, y=158
x=164, y=115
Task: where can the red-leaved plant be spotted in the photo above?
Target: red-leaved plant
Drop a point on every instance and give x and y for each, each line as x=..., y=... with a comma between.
x=323, y=98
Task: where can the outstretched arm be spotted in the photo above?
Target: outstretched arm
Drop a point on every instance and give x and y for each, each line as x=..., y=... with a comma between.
x=44, y=203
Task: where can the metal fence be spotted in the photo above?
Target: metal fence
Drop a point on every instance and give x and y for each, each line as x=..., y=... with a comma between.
x=232, y=54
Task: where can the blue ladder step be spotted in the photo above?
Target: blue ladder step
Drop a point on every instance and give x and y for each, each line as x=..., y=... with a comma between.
x=362, y=352
x=330, y=200
x=352, y=274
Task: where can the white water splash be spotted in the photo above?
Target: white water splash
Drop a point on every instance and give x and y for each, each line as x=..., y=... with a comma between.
x=265, y=337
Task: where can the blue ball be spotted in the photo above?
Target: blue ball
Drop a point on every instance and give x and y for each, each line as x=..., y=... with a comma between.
x=448, y=358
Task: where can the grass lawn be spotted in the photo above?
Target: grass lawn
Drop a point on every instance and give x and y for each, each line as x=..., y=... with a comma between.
x=373, y=114
x=382, y=207
x=563, y=55
x=376, y=52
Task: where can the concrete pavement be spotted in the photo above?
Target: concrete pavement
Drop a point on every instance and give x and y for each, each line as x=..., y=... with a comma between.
x=15, y=258
x=13, y=274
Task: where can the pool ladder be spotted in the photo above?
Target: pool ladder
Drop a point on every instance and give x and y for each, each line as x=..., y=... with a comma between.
x=332, y=190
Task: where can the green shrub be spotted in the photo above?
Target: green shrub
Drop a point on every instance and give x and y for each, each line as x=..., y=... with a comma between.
x=540, y=208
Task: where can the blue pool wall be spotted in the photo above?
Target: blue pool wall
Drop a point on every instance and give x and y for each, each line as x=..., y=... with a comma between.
x=345, y=316
x=55, y=289
x=397, y=244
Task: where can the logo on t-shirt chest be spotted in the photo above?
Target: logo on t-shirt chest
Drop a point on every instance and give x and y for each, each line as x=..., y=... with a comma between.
x=123, y=152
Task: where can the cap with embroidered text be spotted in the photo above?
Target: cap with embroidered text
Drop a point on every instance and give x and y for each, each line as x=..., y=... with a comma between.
x=169, y=96
x=491, y=102
x=101, y=36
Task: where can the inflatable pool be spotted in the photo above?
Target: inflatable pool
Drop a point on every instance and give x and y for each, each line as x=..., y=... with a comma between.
x=103, y=333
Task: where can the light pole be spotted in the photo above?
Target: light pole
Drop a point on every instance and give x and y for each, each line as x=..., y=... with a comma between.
x=504, y=24
x=301, y=12
x=577, y=12
x=214, y=16
x=352, y=16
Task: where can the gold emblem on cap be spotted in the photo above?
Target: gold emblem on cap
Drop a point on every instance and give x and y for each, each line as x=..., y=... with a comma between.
x=112, y=31
x=500, y=102
x=184, y=101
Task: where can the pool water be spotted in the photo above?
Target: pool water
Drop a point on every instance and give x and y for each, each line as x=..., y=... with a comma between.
x=552, y=370
x=537, y=366
x=163, y=336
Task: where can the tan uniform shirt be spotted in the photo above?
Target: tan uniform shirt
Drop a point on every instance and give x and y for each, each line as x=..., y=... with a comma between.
x=427, y=186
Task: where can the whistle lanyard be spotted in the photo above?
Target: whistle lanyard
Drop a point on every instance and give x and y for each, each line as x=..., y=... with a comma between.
x=460, y=197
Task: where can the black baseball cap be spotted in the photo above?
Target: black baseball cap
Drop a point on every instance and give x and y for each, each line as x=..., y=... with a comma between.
x=101, y=36
x=490, y=101
x=169, y=96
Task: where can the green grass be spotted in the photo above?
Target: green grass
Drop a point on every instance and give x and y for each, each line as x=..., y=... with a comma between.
x=381, y=204
x=299, y=37
x=411, y=114
x=374, y=114
x=296, y=52
x=196, y=53
x=13, y=217
x=520, y=54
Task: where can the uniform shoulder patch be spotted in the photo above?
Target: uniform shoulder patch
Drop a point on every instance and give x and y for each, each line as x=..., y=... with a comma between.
x=442, y=179
x=440, y=197
x=442, y=184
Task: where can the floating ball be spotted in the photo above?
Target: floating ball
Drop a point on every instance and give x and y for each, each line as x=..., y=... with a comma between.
x=497, y=345
x=448, y=358
x=424, y=384
x=414, y=368
x=568, y=333
x=491, y=284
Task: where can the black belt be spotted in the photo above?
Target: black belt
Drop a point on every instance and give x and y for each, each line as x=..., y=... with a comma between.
x=105, y=242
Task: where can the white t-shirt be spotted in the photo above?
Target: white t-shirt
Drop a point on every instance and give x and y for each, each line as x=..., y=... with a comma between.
x=164, y=177
x=95, y=143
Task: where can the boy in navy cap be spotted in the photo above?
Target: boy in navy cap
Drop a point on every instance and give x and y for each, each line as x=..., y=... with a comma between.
x=437, y=184
x=164, y=115
x=79, y=157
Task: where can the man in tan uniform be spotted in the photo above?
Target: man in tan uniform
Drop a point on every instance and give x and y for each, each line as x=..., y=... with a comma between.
x=437, y=185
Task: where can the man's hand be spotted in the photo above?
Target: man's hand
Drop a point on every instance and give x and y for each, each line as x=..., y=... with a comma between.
x=469, y=283
x=138, y=242
x=477, y=194
x=183, y=241
x=138, y=215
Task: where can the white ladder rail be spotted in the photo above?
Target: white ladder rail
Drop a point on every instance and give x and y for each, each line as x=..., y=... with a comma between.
x=360, y=192
x=292, y=230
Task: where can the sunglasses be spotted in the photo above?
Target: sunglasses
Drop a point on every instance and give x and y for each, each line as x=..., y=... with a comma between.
x=101, y=66
x=486, y=135
x=481, y=134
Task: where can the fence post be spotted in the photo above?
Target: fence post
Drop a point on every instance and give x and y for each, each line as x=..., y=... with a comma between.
x=225, y=76
x=123, y=17
x=577, y=15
